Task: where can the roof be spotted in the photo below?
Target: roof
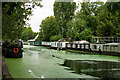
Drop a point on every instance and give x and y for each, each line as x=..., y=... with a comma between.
x=113, y=43
x=34, y=38
x=82, y=41
x=31, y=40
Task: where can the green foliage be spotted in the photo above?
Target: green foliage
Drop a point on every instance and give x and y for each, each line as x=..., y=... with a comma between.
x=55, y=38
x=83, y=25
x=106, y=28
x=14, y=16
x=63, y=12
x=28, y=34
x=40, y=37
x=94, y=19
x=88, y=13
x=48, y=28
x=75, y=27
x=86, y=35
x=108, y=19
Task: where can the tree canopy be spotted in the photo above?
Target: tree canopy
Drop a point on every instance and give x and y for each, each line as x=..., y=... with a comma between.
x=109, y=19
x=28, y=34
x=64, y=12
x=94, y=19
x=14, y=16
x=48, y=28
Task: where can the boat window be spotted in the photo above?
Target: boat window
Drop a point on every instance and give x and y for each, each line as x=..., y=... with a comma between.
x=94, y=46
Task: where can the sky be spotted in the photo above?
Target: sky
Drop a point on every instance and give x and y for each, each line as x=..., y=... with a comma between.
x=41, y=13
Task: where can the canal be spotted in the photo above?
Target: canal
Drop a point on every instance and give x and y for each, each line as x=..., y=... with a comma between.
x=40, y=62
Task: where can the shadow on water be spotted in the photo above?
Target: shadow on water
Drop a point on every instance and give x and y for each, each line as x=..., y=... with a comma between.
x=101, y=69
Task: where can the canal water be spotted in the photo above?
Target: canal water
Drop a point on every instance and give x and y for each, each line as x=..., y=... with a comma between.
x=40, y=62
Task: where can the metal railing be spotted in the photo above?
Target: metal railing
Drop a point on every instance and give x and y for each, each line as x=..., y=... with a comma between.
x=105, y=39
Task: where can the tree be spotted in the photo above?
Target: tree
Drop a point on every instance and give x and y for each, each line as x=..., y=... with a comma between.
x=55, y=38
x=83, y=24
x=48, y=28
x=89, y=12
x=75, y=27
x=112, y=8
x=14, y=16
x=63, y=12
x=40, y=37
x=109, y=20
x=86, y=35
x=28, y=34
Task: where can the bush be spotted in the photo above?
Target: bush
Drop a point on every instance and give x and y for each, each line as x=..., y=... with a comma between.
x=55, y=38
x=86, y=35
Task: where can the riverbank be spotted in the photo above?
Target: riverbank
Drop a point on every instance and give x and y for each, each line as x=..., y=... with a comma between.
x=94, y=52
x=5, y=72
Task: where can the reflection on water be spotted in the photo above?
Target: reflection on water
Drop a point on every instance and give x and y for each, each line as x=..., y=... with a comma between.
x=102, y=69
